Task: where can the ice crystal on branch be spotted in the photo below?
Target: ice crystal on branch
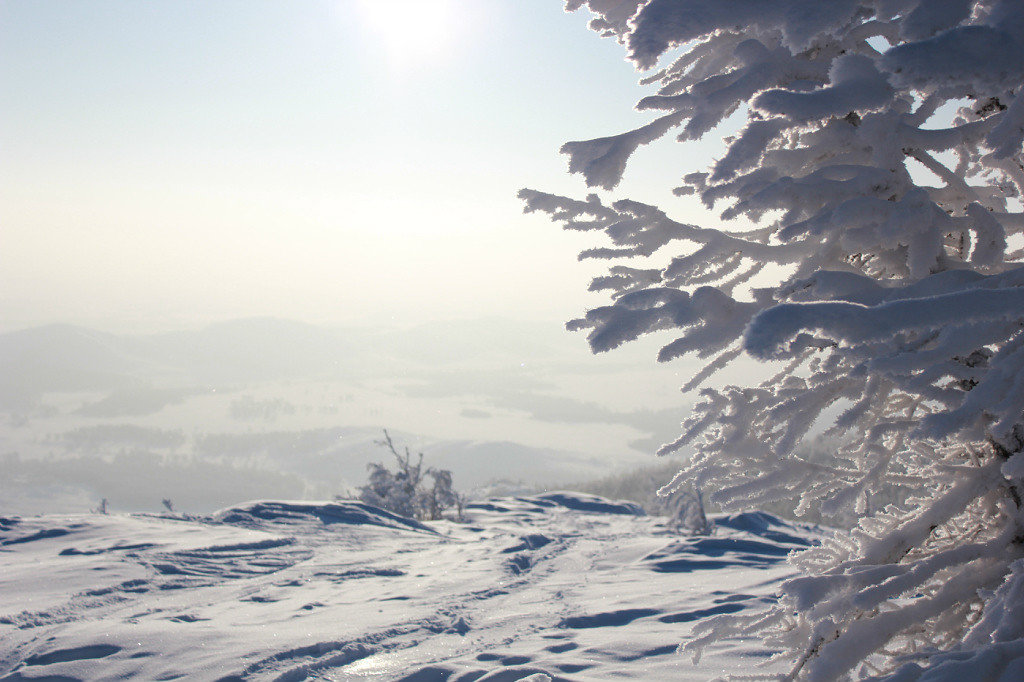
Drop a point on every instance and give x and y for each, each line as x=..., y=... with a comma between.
x=880, y=169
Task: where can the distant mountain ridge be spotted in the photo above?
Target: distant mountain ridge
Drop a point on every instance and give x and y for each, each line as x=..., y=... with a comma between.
x=64, y=357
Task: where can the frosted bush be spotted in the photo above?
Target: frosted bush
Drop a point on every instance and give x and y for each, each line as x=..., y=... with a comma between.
x=880, y=171
x=410, y=490
x=687, y=515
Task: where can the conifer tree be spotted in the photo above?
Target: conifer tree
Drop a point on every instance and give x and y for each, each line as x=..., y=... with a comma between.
x=869, y=241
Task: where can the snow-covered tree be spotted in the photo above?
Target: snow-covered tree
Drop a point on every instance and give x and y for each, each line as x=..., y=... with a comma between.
x=870, y=243
x=686, y=512
x=405, y=490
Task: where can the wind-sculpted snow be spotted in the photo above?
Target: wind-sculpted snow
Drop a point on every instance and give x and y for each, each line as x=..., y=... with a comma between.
x=262, y=514
x=567, y=500
x=592, y=503
x=768, y=527
x=559, y=586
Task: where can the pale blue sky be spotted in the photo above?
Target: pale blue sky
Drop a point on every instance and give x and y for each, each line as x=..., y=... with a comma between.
x=172, y=162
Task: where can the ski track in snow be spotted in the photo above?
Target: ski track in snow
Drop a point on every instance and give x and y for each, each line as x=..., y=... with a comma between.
x=576, y=587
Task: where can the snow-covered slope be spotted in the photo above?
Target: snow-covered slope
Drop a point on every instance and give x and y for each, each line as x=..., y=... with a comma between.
x=568, y=585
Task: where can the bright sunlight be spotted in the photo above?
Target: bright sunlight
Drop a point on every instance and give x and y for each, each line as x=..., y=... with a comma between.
x=410, y=30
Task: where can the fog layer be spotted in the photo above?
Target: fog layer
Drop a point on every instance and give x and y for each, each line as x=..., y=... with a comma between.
x=268, y=408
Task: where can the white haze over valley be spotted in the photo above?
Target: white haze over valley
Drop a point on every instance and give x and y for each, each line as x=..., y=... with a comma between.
x=238, y=261
x=274, y=408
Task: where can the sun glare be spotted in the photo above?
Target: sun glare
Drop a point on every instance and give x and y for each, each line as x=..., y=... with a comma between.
x=408, y=31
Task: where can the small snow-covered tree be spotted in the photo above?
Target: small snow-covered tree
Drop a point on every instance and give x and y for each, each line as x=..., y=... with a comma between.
x=686, y=512
x=879, y=263
x=405, y=491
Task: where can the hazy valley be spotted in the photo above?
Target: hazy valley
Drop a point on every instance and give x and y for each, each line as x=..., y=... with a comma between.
x=263, y=408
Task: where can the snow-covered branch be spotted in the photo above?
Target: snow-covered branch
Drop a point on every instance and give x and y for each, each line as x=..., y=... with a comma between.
x=881, y=167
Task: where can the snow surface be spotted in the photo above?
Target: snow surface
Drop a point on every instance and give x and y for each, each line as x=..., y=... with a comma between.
x=561, y=586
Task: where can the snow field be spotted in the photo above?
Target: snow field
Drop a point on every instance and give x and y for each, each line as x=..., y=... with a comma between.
x=567, y=586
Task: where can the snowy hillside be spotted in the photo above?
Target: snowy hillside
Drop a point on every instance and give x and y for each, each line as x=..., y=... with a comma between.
x=568, y=585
